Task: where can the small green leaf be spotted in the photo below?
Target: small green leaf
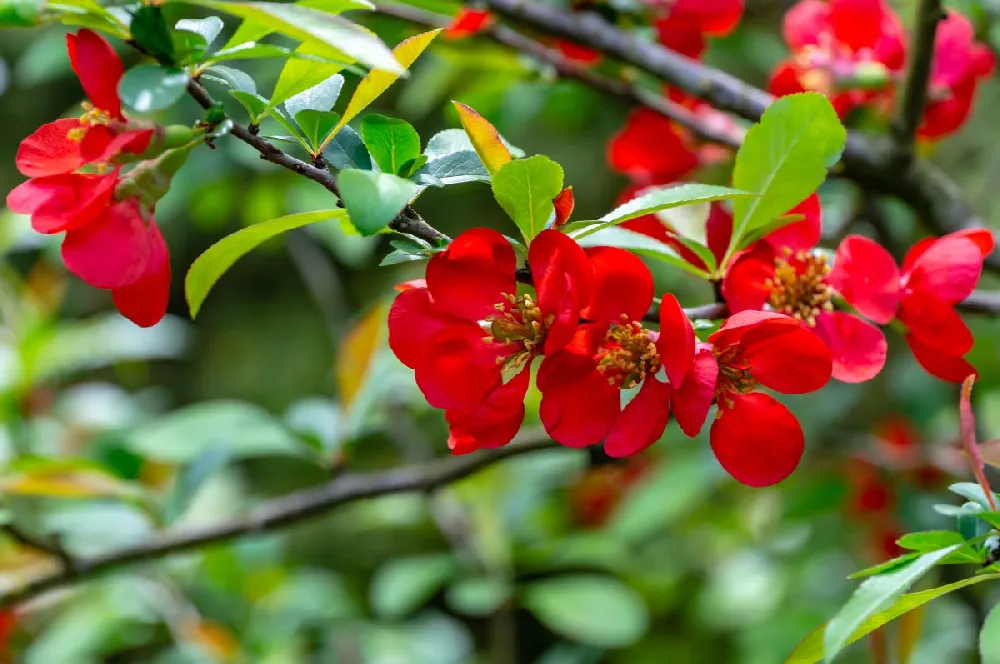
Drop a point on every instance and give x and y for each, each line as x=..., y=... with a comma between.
x=413, y=165
x=218, y=258
x=594, y=610
x=930, y=540
x=768, y=228
x=810, y=649
x=21, y=13
x=208, y=27
x=233, y=78
x=373, y=199
x=402, y=586
x=189, y=47
x=316, y=125
x=303, y=73
x=452, y=168
x=784, y=158
x=989, y=637
x=655, y=200
x=320, y=97
x=289, y=125
x=876, y=594
x=643, y=245
x=152, y=87
x=478, y=596
x=255, y=104
x=973, y=492
x=887, y=566
x=151, y=34
x=391, y=142
x=347, y=150
x=525, y=189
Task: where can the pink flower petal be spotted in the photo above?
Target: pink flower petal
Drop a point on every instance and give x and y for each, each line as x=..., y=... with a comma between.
x=857, y=347
x=112, y=251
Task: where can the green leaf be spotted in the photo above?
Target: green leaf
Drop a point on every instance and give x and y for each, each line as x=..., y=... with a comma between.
x=391, y=142
x=655, y=200
x=992, y=518
x=930, y=540
x=643, y=245
x=768, y=228
x=887, y=566
x=989, y=637
x=315, y=26
x=453, y=168
x=152, y=87
x=150, y=32
x=594, y=610
x=972, y=491
x=218, y=258
x=233, y=78
x=320, y=97
x=63, y=478
x=208, y=27
x=21, y=13
x=316, y=125
x=875, y=594
x=477, y=596
x=402, y=586
x=299, y=75
x=525, y=189
x=255, y=104
x=347, y=150
x=412, y=166
x=189, y=47
x=373, y=199
x=784, y=158
x=810, y=649
x=240, y=429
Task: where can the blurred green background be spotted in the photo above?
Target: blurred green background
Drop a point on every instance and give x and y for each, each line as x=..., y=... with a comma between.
x=550, y=558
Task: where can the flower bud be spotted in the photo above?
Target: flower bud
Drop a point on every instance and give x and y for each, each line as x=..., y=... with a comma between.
x=867, y=76
x=150, y=180
x=20, y=13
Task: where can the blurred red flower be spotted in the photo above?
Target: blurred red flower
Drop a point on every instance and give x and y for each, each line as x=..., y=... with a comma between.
x=686, y=23
x=468, y=22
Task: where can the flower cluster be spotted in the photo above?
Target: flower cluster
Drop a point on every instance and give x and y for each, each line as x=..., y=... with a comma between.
x=854, y=52
x=76, y=187
x=471, y=339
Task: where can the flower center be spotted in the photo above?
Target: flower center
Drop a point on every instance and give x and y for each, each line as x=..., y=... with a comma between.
x=799, y=287
x=518, y=323
x=91, y=116
x=734, y=377
x=627, y=355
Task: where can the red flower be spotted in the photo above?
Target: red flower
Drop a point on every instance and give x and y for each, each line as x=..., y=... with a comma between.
x=688, y=21
x=581, y=384
x=465, y=329
x=846, y=49
x=937, y=273
x=101, y=133
x=650, y=149
x=781, y=272
x=468, y=22
x=958, y=64
x=63, y=202
x=755, y=438
x=577, y=53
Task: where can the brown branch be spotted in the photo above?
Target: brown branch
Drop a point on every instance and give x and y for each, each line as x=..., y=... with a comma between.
x=409, y=220
x=929, y=14
x=281, y=512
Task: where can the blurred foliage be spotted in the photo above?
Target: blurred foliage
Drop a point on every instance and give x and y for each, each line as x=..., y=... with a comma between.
x=111, y=433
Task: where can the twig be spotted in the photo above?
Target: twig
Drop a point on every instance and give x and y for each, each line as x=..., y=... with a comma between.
x=929, y=14
x=409, y=220
x=281, y=512
x=570, y=69
x=981, y=302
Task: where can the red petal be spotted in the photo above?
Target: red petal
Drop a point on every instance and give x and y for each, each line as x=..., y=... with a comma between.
x=564, y=282
x=48, y=151
x=935, y=324
x=948, y=269
x=983, y=237
x=745, y=284
x=623, y=286
x=956, y=56
x=112, y=251
x=691, y=401
x=711, y=17
x=581, y=411
x=468, y=22
x=145, y=301
x=650, y=148
x=951, y=368
x=758, y=441
x=577, y=53
x=786, y=358
x=800, y=235
x=676, y=341
x=680, y=35
x=857, y=23
x=942, y=117
x=718, y=231
x=494, y=422
x=737, y=325
x=564, y=204
x=785, y=80
x=642, y=421
x=413, y=322
x=458, y=368
x=865, y=274
x=469, y=277
x=804, y=23
x=60, y=203
x=856, y=346
x=101, y=145
x=99, y=69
